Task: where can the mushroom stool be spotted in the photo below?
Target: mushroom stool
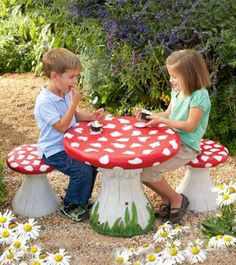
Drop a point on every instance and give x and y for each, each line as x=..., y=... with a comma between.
x=35, y=197
x=197, y=184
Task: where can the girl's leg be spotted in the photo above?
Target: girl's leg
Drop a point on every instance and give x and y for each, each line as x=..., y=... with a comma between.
x=167, y=193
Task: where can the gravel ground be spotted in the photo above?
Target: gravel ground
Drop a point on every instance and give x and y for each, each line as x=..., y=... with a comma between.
x=17, y=126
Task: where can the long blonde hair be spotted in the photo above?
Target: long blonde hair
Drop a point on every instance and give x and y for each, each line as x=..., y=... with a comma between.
x=191, y=69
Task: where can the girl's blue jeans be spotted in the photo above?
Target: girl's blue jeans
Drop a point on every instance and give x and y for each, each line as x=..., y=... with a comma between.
x=82, y=177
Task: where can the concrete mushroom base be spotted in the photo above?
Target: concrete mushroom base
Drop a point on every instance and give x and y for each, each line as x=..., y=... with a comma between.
x=197, y=186
x=122, y=208
x=35, y=197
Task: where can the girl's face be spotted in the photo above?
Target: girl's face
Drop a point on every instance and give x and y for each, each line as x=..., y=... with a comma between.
x=174, y=79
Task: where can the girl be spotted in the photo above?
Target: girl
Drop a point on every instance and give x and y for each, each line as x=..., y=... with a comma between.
x=188, y=114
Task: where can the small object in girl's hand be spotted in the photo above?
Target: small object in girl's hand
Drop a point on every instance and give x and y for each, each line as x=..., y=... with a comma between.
x=144, y=114
x=96, y=127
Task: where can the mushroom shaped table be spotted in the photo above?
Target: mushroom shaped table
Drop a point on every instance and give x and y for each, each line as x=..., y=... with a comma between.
x=120, y=151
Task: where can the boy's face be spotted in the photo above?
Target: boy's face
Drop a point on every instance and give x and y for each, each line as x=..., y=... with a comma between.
x=66, y=81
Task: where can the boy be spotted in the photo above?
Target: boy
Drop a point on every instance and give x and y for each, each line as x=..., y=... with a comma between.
x=55, y=112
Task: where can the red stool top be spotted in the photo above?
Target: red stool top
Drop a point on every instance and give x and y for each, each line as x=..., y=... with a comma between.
x=25, y=159
x=212, y=154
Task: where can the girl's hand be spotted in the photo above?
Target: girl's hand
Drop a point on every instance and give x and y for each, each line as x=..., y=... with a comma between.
x=154, y=121
x=99, y=114
x=137, y=113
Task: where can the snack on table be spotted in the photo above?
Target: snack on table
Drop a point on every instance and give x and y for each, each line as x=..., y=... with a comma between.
x=144, y=114
x=96, y=126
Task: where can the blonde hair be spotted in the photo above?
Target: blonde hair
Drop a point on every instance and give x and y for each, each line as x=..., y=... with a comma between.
x=191, y=69
x=60, y=60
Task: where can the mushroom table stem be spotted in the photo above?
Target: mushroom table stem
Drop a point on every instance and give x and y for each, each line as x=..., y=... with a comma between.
x=122, y=208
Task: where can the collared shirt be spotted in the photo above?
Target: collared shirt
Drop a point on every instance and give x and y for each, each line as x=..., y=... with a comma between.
x=180, y=107
x=49, y=109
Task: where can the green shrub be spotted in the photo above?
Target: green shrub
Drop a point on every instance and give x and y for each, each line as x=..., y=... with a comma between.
x=3, y=193
x=124, y=44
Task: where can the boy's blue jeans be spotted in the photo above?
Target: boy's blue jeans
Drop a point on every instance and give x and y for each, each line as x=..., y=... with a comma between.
x=82, y=177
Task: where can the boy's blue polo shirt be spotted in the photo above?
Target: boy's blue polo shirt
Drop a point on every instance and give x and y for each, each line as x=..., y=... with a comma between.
x=49, y=109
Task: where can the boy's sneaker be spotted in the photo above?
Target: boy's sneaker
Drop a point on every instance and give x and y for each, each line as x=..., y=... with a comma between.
x=75, y=212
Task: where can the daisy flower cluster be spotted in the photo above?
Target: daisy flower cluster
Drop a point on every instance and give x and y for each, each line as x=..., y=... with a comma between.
x=16, y=248
x=167, y=248
x=226, y=194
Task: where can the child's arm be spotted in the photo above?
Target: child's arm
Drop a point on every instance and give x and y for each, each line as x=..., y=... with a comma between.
x=164, y=114
x=64, y=122
x=195, y=115
x=98, y=114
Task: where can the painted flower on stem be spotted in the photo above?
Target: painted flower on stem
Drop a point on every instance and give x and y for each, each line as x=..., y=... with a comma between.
x=6, y=218
x=60, y=258
x=195, y=253
x=29, y=229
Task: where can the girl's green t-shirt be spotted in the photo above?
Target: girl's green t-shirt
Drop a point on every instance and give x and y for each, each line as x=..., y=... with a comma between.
x=180, y=107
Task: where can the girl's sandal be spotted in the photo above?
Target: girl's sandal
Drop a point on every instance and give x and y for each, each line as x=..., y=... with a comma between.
x=164, y=211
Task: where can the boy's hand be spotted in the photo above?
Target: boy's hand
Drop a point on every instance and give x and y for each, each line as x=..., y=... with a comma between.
x=99, y=114
x=76, y=96
x=137, y=113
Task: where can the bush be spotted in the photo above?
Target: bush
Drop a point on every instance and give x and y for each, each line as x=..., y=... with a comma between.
x=124, y=44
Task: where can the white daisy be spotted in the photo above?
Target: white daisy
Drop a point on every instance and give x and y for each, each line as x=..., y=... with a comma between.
x=19, y=245
x=229, y=241
x=152, y=259
x=224, y=199
x=6, y=236
x=10, y=256
x=163, y=232
x=6, y=218
x=173, y=243
x=145, y=248
x=122, y=256
x=216, y=242
x=178, y=229
x=35, y=251
x=218, y=188
x=195, y=253
x=60, y=258
x=29, y=229
x=172, y=256
x=231, y=189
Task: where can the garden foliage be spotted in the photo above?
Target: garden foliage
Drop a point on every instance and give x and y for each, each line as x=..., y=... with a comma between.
x=123, y=45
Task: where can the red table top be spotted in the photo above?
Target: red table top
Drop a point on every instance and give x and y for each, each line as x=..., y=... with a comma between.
x=121, y=144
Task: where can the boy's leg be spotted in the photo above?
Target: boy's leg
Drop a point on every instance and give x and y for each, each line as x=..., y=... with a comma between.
x=81, y=177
